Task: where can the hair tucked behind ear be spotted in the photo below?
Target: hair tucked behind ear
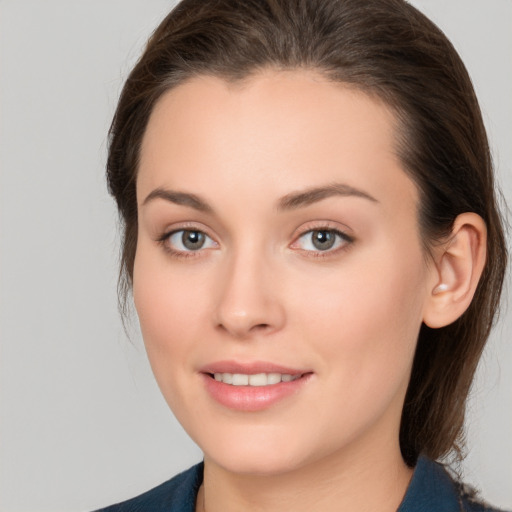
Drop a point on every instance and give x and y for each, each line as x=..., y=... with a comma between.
x=387, y=49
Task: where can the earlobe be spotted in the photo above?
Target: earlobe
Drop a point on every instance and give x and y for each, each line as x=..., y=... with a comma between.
x=458, y=266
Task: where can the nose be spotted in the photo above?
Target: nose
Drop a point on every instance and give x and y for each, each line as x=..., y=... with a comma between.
x=249, y=301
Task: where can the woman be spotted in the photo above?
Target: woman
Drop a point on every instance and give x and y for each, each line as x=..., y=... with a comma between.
x=315, y=251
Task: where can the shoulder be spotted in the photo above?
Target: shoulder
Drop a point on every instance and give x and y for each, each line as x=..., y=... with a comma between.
x=432, y=488
x=177, y=494
x=472, y=502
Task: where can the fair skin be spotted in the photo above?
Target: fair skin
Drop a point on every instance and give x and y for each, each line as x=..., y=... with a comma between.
x=237, y=269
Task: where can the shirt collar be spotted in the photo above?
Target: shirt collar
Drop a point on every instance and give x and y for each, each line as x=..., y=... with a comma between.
x=431, y=488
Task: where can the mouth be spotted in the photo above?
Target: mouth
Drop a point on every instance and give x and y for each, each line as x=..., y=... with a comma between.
x=252, y=387
x=254, y=379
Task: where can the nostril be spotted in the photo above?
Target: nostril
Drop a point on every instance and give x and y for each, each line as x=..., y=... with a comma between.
x=260, y=327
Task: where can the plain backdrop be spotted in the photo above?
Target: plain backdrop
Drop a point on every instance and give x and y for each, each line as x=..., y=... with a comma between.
x=82, y=422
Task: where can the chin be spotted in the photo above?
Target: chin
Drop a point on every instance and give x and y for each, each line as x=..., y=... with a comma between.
x=262, y=455
x=260, y=464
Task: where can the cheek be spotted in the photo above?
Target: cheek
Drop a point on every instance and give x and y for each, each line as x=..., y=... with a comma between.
x=171, y=308
x=367, y=314
x=170, y=311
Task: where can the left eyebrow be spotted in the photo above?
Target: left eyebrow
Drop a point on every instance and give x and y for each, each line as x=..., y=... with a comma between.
x=181, y=198
x=313, y=195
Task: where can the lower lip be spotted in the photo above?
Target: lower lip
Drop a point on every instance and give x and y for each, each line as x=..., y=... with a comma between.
x=252, y=398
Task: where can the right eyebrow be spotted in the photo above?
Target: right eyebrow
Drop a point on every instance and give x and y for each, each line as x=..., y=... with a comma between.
x=307, y=197
x=181, y=198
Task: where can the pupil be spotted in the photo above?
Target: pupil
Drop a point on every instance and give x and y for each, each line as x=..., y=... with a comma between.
x=192, y=240
x=323, y=240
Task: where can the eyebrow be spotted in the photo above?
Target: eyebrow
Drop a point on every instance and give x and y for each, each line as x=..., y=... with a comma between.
x=290, y=201
x=181, y=198
x=313, y=195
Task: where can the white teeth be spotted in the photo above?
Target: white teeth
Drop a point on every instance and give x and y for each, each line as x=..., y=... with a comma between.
x=260, y=379
x=273, y=378
x=239, y=379
x=227, y=378
x=257, y=379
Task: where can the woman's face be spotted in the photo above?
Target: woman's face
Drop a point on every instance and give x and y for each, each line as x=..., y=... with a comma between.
x=278, y=237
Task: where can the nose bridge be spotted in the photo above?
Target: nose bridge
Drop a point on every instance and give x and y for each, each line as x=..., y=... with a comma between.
x=249, y=300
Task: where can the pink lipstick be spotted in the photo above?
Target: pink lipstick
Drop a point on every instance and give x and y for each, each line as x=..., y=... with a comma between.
x=252, y=386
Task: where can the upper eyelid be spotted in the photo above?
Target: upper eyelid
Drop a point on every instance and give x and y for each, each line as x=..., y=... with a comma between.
x=338, y=232
x=327, y=225
x=325, y=228
x=186, y=226
x=166, y=235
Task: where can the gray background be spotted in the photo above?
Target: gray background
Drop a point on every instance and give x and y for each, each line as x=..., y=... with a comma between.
x=82, y=423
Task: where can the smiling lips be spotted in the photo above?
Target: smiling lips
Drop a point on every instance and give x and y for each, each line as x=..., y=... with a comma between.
x=252, y=387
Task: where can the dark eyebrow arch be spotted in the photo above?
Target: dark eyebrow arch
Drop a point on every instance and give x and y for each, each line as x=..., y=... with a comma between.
x=181, y=198
x=313, y=195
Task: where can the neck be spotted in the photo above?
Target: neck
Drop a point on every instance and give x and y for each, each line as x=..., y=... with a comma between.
x=369, y=482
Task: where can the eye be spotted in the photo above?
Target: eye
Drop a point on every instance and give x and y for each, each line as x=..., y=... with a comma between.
x=322, y=240
x=188, y=240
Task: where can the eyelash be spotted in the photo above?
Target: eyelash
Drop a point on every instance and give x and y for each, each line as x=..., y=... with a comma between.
x=163, y=240
x=346, y=239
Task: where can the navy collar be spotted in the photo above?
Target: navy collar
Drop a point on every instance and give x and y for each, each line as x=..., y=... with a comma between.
x=431, y=488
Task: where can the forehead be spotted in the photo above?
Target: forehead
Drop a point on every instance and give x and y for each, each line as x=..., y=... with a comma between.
x=291, y=128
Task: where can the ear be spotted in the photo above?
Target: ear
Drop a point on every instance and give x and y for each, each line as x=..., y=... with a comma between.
x=458, y=265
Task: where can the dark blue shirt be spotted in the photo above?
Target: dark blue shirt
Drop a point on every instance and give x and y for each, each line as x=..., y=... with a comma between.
x=431, y=490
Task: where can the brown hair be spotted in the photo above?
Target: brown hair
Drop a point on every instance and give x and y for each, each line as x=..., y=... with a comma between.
x=385, y=48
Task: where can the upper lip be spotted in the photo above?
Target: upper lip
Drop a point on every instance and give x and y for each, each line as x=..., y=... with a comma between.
x=250, y=368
